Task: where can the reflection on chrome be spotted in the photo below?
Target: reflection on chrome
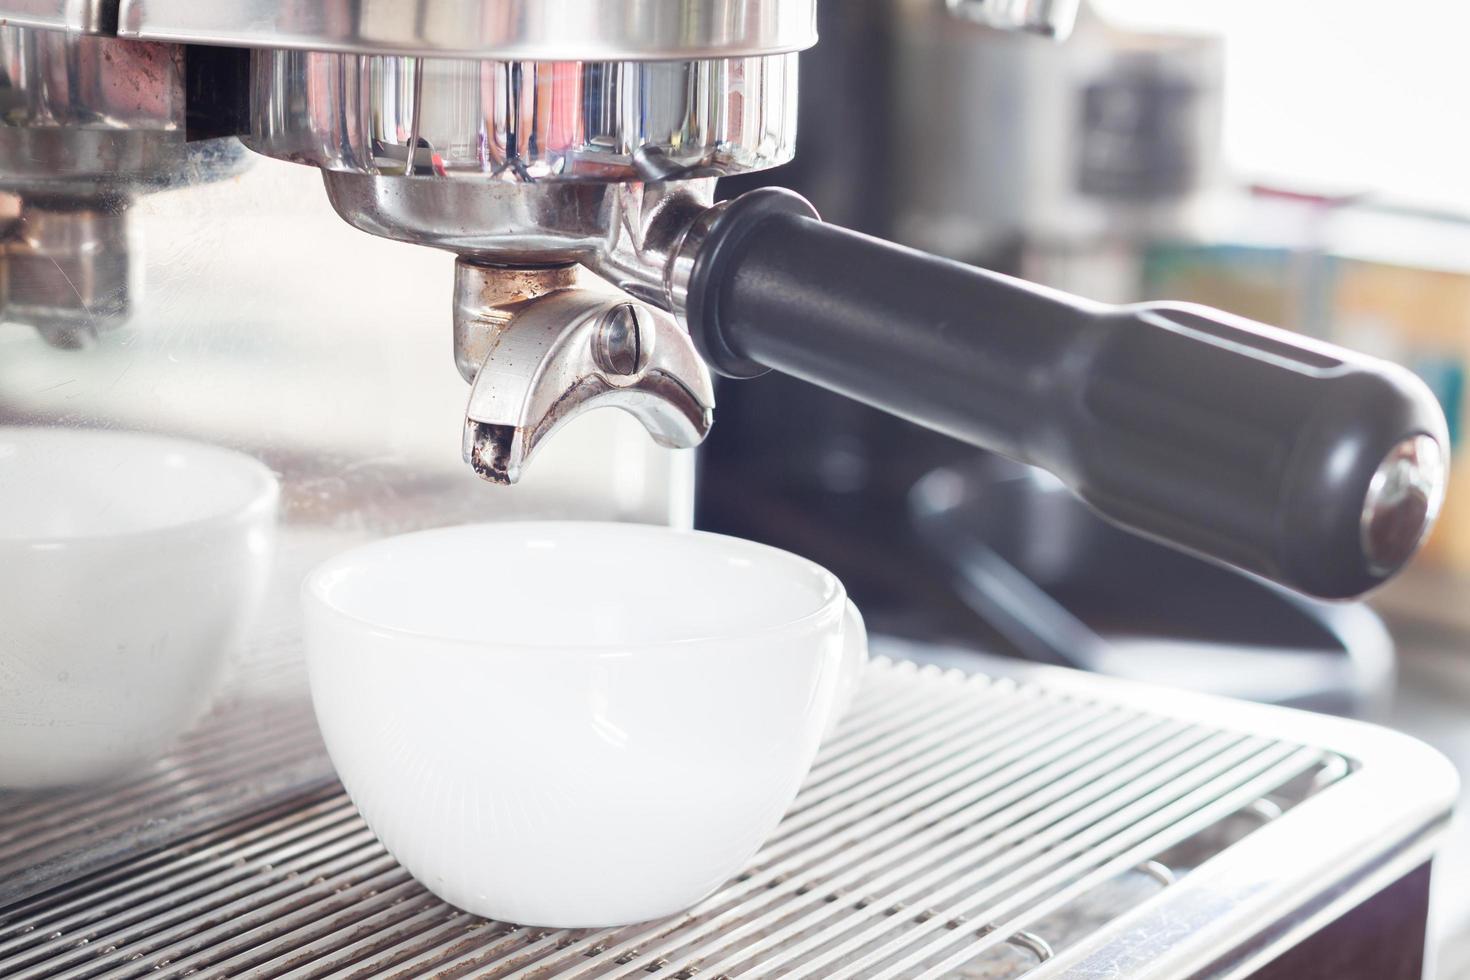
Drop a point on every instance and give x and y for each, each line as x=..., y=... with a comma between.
x=523, y=121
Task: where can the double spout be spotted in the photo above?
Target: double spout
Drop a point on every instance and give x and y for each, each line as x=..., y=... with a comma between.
x=539, y=350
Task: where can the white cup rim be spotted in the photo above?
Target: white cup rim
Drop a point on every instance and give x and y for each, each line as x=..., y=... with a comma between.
x=834, y=595
x=262, y=493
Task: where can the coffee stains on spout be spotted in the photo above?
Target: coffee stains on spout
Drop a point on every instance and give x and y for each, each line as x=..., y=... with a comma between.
x=488, y=448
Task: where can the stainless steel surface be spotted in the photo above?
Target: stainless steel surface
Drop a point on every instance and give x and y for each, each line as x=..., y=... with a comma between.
x=89, y=112
x=509, y=224
x=619, y=346
x=646, y=234
x=523, y=121
x=532, y=372
x=628, y=233
x=484, y=300
x=86, y=124
x=1061, y=826
x=1403, y=500
x=73, y=16
x=60, y=80
x=1048, y=18
x=258, y=744
x=679, y=264
x=540, y=30
x=571, y=351
x=69, y=273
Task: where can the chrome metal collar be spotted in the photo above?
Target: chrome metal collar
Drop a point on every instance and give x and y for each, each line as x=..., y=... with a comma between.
x=531, y=30
x=520, y=122
x=1403, y=500
x=628, y=233
x=91, y=17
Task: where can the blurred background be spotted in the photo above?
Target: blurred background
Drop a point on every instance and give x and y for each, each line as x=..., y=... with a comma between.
x=1300, y=164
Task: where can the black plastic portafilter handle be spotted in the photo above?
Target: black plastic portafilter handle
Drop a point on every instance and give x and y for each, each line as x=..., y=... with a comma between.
x=1313, y=466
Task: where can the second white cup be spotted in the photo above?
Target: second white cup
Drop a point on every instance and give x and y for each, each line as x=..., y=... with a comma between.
x=575, y=724
x=131, y=569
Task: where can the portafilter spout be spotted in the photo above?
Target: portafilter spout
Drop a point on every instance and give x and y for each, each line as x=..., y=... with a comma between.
x=543, y=344
x=552, y=350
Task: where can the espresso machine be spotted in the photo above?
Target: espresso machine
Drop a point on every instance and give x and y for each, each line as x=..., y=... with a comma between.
x=566, y=152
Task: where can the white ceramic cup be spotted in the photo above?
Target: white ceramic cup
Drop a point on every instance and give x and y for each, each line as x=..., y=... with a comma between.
x=130, y=567
x=575, y=724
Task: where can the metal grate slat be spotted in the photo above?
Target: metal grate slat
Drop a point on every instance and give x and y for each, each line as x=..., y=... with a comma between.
x=1043, y=793
x=885, y=833
x=945, y=827
x=258, y=745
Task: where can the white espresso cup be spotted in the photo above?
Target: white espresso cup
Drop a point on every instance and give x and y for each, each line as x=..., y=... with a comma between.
x=131, y=566
x=575, y=724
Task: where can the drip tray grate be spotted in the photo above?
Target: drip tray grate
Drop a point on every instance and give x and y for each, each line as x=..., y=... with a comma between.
x=955, y=826
x=259, y=743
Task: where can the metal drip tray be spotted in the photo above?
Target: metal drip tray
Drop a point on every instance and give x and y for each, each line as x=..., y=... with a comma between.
x=259, y=744
x=955, y=826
